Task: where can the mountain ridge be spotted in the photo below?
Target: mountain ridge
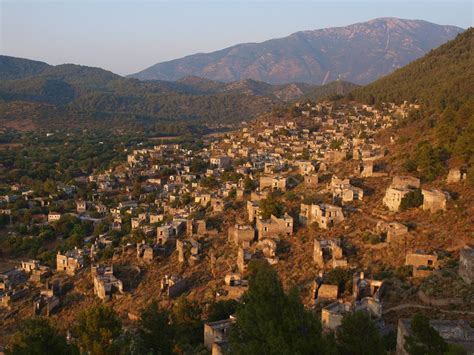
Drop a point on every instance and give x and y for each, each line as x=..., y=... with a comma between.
x=358, y=53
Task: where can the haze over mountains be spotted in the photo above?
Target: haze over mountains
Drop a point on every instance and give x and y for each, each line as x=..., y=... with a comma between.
x=359, y=53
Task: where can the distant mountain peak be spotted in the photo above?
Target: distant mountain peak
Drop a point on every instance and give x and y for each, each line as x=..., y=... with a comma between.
x=360, y=53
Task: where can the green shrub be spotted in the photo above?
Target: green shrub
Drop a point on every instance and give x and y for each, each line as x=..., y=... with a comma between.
x=411, y=200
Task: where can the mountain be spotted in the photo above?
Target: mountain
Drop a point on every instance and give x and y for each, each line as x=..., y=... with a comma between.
x=359, y=53
x=71, y=95
x=442, y=82
x=12, y=68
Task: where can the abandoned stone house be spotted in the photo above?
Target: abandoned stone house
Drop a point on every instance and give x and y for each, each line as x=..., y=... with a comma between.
x=274, y=227
x=405, y=182
x=46, y=302
x=164, y=233
x=332, y=314
x=455, y=176
x=81, y=206
x=244, y=256
x=179, y=226
x=219, y=204
x=366, y=169
x=37, y=272
x=173, y=286
x=234, y=287
x=305, y=167
x=334, y=156
x=423, y=263
x=145, y=252
x=30, y=265
x=329, y=253
x=70, y=262
x=311, y=180
x=156, y=218
x=273, y=182
x=395, y=231
x=101, y=208
x=336, y=181
x=346, y=193
x=398, y=189
x=117, y=223
x=135, y=223
x=8, y=297
x=54, y=216
x=188, y=250
x=269, y=247
x=241, y=235
x=367, y=294
x=105, y=282
x=197, y=227
x=11, y=279
x=216, y=334
x=393, y=197
x=324, y=215
x=203, y=199
x=434, y=200
x=221, y=161
x=325, y=292
x=466, y=264
x=457, y=332
x=253, y=210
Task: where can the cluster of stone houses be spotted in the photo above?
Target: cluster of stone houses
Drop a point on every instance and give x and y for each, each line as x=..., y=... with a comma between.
x=172, y=211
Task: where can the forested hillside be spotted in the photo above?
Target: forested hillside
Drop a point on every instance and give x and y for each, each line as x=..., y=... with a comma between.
x=75, y=96
x=442, y=82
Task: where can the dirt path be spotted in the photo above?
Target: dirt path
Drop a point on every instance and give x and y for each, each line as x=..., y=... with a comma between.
x=410, y=305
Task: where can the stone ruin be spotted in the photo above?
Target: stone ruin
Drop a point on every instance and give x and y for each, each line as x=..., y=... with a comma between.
x=189, y=250
x=456, y=175
x=274, y=227
x=423, y=263
x=234, y=287
x=394, y=231
x=145, y=252
x=329, y=254
x=398, y=189
x=172, y=286
x=434, y=200
x=268, y=247
x=324, y=215
x=105, y=282
x=367, y=294
x=241, y=235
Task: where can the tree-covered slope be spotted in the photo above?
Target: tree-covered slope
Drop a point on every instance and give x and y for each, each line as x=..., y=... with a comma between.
x=444, y=77
x=441, y=133
x=73, y=94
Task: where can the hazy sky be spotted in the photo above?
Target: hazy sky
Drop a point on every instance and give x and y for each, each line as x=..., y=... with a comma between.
x=128, y=36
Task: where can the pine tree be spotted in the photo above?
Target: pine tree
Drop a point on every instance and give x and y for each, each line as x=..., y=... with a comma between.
x=97, y=329
x=155, y=331
x=358, y=335
x=271, y=322
x=36, y=336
